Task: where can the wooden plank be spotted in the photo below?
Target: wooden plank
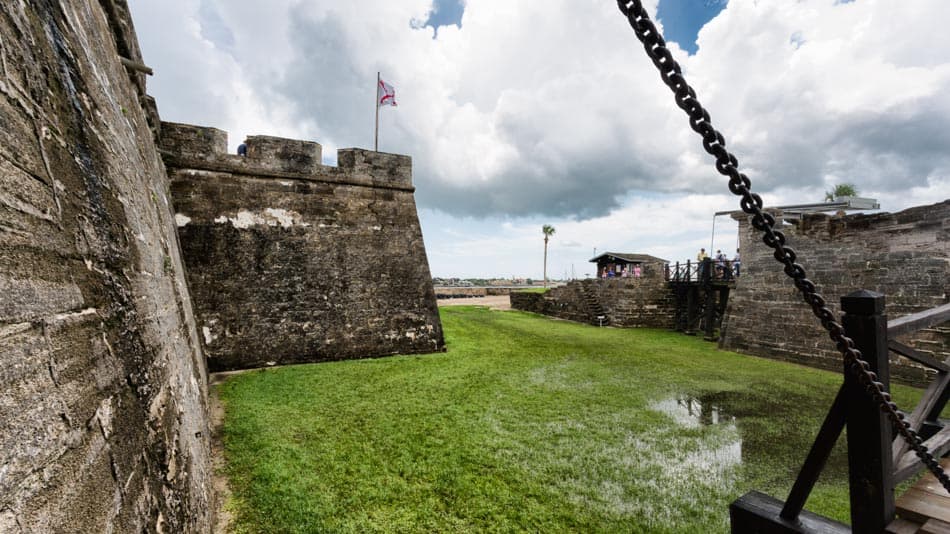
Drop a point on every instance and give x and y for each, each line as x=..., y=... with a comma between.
x=935, y=526
x=918, y=321
x=921, y=506
x=902, y=526
x=917, y=356
x=930, y=483
x=909, y=464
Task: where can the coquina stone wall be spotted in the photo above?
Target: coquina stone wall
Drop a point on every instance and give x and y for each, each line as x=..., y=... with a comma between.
x=103, y=421
x=628, y=302
x=292, y=261
x=904, y=255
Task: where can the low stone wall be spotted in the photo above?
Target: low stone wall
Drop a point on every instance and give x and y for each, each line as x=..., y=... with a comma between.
x=291, y=261
x=626, y=302
x=904, y=255
x=449, y=292
x=103, y=414
x=529, y=301
x=459, y=292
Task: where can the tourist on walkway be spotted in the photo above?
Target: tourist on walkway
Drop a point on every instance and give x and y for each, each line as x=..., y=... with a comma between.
x=720, y=264
x=702, y=255
x=736, y=263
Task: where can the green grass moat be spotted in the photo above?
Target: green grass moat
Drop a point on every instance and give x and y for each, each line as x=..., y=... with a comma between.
x=526, y=424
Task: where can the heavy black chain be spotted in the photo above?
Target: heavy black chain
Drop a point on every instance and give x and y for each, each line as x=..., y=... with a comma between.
x=751, y=203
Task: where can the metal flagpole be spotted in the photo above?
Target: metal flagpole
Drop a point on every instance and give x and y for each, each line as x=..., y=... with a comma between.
x=376, y=137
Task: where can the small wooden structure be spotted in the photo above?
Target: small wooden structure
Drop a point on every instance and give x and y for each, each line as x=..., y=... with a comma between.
x=618, y=262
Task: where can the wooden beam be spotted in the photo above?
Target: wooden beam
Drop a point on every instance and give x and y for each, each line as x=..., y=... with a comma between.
x=136, y=66
x=757, y=512
x=917, y=356
x=817, y=456
x=930, y=402
x=918, y=321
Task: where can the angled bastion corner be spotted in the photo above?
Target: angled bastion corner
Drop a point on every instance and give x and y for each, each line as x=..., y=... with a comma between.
x=292, y=261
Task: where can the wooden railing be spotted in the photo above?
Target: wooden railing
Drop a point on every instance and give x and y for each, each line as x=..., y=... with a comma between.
x=924, y=418
x=876, y=462
x=698, y=271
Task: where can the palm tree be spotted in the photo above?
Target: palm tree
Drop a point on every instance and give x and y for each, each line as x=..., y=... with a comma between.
x=841, y=190
x=548, y=231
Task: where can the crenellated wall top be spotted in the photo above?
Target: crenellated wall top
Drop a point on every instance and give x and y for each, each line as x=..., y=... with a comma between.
x=186, y=146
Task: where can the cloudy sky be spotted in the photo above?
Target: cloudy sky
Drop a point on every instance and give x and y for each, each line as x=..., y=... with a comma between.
x=519, y=114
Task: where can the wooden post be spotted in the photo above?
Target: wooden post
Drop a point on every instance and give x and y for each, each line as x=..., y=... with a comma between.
x=679, y=310
x=870, y=466
x=692, y=309
x=723, y=302
x=710, y=329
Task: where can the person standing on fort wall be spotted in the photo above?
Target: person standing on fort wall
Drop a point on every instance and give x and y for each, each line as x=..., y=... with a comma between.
x=702, y=255
x=736, y=263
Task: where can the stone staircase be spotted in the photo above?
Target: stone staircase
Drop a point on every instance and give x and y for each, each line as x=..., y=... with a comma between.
x=595, y=312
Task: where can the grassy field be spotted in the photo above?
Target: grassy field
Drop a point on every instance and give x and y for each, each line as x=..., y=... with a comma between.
x=525, y=424
x=532, y=290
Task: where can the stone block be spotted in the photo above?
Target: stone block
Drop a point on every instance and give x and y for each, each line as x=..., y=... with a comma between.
x=284, y=155
x=190, y=141
x=380, y=167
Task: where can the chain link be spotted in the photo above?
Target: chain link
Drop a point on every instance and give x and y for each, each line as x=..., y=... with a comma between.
x=751, y=203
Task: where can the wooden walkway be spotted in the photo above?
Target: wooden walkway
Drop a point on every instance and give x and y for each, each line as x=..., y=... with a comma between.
x=924, y=508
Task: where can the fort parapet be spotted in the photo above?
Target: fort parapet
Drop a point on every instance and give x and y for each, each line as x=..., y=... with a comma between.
x=289, y=260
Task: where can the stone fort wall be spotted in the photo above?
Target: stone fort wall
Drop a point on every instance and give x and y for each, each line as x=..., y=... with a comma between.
x=904, y=255
x=103, y=416
x=292, y=261
x=628, y=302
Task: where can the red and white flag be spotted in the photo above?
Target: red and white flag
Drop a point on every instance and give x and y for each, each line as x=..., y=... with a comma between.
x=385, y=94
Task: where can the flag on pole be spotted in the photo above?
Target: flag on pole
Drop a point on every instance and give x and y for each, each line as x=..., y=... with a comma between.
x=385, y=94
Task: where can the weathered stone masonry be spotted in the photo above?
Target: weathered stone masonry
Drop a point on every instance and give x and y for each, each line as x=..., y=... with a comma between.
x=289, y=260
x=103, y=421
x=904, y=255
x=629, y=302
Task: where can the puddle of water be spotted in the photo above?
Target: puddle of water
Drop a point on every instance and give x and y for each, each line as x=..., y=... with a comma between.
x=769, y=434
x=692, y=412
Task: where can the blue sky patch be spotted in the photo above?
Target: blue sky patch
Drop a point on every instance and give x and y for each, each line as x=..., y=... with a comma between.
x=445, y=13
x=682, y=19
